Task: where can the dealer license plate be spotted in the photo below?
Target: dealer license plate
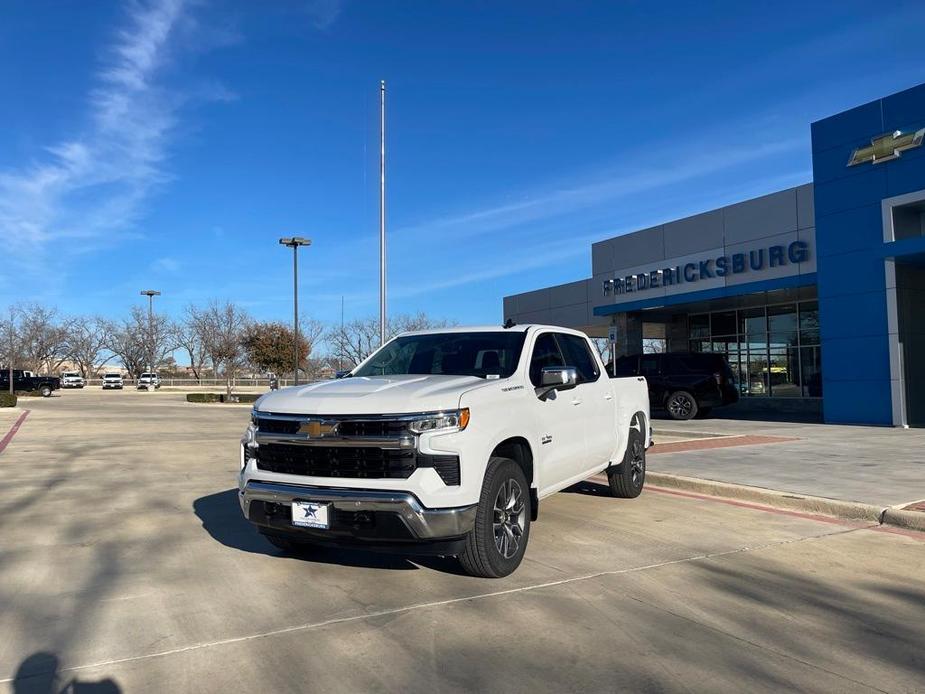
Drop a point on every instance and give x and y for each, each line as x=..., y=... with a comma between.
x=311, y=514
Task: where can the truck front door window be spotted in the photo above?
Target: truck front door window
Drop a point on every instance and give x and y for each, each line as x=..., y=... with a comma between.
x=545, y=353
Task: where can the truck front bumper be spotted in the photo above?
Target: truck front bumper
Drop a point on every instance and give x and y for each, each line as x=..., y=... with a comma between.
x=361, y=516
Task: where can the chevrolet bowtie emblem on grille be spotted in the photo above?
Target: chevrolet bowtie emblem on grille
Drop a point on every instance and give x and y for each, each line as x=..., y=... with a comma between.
x=886, y=147
x=314, y=428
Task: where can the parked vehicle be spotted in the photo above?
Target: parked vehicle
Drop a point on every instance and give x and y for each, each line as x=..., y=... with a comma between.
x=72, y=379
x=28, y=382
x=112, y=381
x=683, y=384
x=149, y=380
x=442, y=442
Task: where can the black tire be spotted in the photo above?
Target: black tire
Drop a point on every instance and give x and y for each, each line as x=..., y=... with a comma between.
x=629, y=477
x=45, y=390
x=496, y=544
x=681, y=405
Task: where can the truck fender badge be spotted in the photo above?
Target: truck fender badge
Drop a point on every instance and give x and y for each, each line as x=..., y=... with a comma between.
x=546, y=439
x=510, y=388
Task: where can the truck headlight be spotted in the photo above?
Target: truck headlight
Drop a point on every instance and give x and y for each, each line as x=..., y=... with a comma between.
x=248, y=444
x=441, y=421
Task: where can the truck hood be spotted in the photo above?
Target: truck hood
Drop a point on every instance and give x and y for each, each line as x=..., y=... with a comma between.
x=370, y=395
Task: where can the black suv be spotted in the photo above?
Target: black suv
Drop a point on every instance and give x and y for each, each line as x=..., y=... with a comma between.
x=683, y=384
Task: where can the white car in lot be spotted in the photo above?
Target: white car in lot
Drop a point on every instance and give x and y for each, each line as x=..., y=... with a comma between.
x=149, y=380
x=72, y=379
x=112, y=381
x=442, y=442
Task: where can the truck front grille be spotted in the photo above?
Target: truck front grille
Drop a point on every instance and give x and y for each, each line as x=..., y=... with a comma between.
x=361, y=462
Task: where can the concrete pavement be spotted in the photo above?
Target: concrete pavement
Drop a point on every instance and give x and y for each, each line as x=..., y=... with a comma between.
x=872, y=465
x=124, y=560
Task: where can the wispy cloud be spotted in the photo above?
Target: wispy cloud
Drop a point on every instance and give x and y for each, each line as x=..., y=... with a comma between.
x=97, y=182
x=323, y=13
x=607, y=187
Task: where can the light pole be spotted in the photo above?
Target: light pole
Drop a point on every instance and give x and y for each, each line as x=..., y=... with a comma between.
x=294, y=242
x=150, y=293
x=382, y=249
x=12, y=347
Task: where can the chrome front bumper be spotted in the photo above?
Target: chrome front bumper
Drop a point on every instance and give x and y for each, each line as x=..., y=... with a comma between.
x=424, y=523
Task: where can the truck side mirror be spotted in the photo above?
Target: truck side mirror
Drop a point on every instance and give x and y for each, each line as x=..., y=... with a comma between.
x=556, y=378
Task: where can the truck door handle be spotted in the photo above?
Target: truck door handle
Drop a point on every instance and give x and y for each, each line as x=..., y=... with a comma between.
x=608, y=396
x=576, y=401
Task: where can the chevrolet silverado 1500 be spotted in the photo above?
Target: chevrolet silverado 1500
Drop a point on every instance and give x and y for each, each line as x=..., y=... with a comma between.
x=442, y=442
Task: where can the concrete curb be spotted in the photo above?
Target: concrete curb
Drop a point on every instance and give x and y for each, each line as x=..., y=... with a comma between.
x=911, y=520
x=679, y=433
x=850, y=510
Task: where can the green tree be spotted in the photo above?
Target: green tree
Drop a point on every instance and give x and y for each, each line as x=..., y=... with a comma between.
x=269, y=347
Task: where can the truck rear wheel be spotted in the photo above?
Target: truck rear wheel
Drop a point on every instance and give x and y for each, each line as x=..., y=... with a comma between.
x=45, y=390
x=628, y=478
x=496, y=544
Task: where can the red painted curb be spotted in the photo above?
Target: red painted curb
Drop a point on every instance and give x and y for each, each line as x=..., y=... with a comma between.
x=12, y=432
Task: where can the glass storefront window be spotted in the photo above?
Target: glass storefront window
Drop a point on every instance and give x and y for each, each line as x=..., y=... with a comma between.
x=772, y=350
x=783, y=339
x=700, y=325
x=783, y=373
x=724, y=323
x=809, y=323
x=754, y=321
x=811, y=373
x=756, y=372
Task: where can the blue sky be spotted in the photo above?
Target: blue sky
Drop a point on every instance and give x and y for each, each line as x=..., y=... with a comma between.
x=168, y=144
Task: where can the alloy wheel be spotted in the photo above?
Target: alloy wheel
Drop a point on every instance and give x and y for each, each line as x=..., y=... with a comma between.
x=509, y=518
x=681, y=406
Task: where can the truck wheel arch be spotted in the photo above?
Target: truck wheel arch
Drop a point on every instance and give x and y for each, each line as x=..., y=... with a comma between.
x=518, y=449
x=639, y=422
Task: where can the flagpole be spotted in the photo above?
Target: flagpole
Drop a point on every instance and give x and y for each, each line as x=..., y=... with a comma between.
x=382, y=265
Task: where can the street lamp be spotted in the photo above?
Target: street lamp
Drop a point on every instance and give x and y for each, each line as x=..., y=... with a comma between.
x=294, y=242
x=150, y=293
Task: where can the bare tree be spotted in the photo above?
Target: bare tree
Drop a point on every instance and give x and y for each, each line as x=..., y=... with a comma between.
x=126, y=341
x=86, y=339
x=42, y=338
x=221, y=328
x=356, y=340
x=312, y=331
x=188, y=338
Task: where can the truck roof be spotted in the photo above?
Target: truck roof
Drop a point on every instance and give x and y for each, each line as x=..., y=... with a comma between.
x=491, y=329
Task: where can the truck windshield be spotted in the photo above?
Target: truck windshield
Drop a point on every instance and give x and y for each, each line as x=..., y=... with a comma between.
x=483, y=354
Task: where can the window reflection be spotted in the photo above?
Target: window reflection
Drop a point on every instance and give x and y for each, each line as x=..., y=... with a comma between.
x=772, y=350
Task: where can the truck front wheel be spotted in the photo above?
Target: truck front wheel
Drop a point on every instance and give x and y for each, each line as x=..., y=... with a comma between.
x=496, y=544
x=627, y=478
x=45, y=390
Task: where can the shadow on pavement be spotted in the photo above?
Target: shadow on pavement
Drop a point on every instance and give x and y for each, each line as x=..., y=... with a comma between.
x=38, y=674
x=589, y=488
x=221, y=517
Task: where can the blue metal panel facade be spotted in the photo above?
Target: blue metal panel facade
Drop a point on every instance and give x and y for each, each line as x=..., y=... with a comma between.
x=850, y=251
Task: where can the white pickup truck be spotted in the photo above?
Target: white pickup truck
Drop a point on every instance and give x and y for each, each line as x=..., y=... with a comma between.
x=442, y=442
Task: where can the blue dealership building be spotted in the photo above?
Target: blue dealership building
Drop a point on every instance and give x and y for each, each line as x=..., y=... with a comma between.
x=815, y=294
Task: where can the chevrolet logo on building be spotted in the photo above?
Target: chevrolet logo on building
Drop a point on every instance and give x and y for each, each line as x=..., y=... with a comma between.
x=315, y=428
x=886, y=147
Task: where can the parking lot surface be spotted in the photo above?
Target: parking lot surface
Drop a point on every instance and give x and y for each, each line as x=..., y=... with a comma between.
x=125, y=563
